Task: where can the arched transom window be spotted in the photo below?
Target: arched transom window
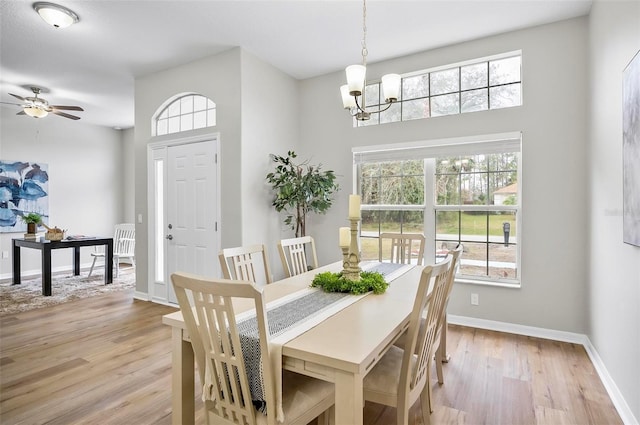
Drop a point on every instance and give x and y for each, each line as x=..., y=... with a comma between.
x=187, y=112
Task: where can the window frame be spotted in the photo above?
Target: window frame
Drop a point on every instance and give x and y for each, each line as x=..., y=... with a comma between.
x=374, y=85
x=167, y=112
x=430, y=207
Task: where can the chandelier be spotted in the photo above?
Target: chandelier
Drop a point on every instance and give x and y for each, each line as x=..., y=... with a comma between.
x=357, y=83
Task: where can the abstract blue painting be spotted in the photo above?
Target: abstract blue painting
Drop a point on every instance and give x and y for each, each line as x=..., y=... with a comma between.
x=631, y=152
x=24, y=189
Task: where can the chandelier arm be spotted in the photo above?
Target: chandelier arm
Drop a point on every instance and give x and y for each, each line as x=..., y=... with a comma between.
x=380, y=109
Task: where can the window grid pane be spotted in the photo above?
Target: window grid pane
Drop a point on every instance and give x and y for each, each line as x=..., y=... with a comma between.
x=186, y=113
x=489, y=236
x=481, y=86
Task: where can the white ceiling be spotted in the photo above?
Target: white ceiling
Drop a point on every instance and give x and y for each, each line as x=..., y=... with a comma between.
x=94, y=62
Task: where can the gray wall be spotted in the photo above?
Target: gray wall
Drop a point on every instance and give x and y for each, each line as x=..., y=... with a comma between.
x=86, y=169
x=614, y=267
x=256, y=115
x=269, y=125
x=128, y=174
x=218, y=78
x=553, y=120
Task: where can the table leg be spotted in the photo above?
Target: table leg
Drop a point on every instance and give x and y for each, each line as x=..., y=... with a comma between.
x=349, y=398
x=76, y=260
x=46, y=271
x=182, y=380
x=16, y=264
x=108, y=262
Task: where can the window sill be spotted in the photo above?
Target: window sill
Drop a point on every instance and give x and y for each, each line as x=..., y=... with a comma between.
x=511, y=285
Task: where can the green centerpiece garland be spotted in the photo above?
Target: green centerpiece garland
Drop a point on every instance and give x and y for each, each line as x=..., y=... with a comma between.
x=335, y=282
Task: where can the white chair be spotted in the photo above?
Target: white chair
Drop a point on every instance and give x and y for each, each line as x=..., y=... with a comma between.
x=293, y=254
x=441, y=349
x=403, y=376
x=405, y=248
x=124, y=247
x=211, y=324
x=242, y=262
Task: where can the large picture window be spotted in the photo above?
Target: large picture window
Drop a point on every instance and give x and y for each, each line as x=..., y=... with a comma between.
x=450, y=197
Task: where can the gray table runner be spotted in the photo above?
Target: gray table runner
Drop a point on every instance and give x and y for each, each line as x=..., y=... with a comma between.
x=280, y=319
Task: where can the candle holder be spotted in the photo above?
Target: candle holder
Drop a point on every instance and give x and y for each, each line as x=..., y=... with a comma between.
x=351, y=256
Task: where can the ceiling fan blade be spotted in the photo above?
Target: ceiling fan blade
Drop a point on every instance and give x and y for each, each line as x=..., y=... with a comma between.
x=21, y=113
x=66, y=108
x=11, y=103
x=62, y=114
x=18, y=97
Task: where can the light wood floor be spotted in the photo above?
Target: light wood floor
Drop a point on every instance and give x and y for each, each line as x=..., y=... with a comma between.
x=106, y=360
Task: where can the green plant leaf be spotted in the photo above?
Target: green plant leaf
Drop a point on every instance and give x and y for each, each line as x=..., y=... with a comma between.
x=300, y=188
x=335, y=282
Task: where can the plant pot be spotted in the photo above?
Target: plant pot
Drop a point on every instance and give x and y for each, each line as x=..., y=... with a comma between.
x=31, y=228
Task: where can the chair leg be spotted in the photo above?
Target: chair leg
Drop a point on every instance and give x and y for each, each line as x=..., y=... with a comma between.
x=116, y=263
x=439, y=365
x=429, y=390
x=425, y=405
x=92, y=264
x=444, y=357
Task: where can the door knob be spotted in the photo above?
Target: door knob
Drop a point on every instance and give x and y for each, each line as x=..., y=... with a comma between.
x=170, y=237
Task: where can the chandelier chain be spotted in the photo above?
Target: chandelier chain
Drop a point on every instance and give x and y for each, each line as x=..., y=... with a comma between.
x=364, y=33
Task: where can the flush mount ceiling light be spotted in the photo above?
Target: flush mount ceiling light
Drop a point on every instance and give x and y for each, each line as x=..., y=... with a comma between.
x=357, y=82
x=56, y=15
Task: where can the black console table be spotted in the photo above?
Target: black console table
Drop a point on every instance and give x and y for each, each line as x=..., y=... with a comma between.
x=46, y=247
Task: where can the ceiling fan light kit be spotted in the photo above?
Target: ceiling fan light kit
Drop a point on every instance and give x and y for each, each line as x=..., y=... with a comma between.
x=35, y=112
x=56, y=15
x=357, y=82
x=38, y=107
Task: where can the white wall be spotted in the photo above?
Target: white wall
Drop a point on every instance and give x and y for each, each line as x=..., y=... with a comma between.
x=128, y=174
x=269, y=125
x=614, y=267
x=553, y=120
x=86, y=171
x=256, y=115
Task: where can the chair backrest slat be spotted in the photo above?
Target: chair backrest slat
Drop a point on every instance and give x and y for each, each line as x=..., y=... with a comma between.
x=405, y=248
x=240, y=263
x=124, y=240
x=211, y=322
x=294, y=252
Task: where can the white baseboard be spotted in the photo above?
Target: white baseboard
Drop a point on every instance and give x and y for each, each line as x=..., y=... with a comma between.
x=142, y=296
x=609, y=384
x=612, y=389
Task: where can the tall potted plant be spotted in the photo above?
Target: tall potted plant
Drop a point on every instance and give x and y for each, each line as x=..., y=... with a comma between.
x=300, y=188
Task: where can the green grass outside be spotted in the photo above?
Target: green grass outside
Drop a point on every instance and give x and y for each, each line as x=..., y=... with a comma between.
x=472, y=224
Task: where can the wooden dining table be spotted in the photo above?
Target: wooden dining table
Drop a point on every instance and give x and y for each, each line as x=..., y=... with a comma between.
x=341, y=349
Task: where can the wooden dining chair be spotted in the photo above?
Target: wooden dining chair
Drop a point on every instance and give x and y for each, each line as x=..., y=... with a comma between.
x=294, y=253
x=441, y=352
x=401, y=377
x=404, y=248
x=441, y=349
x=242, y=262
x=207, y=308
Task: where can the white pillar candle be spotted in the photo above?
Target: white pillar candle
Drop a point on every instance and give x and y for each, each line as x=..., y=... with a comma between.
x=354, y=206
x=345, y=237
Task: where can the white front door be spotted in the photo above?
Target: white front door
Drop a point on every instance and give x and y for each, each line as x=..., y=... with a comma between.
x=191, y=211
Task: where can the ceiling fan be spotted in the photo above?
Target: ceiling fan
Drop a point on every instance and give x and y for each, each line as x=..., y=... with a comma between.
x=38, y=107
